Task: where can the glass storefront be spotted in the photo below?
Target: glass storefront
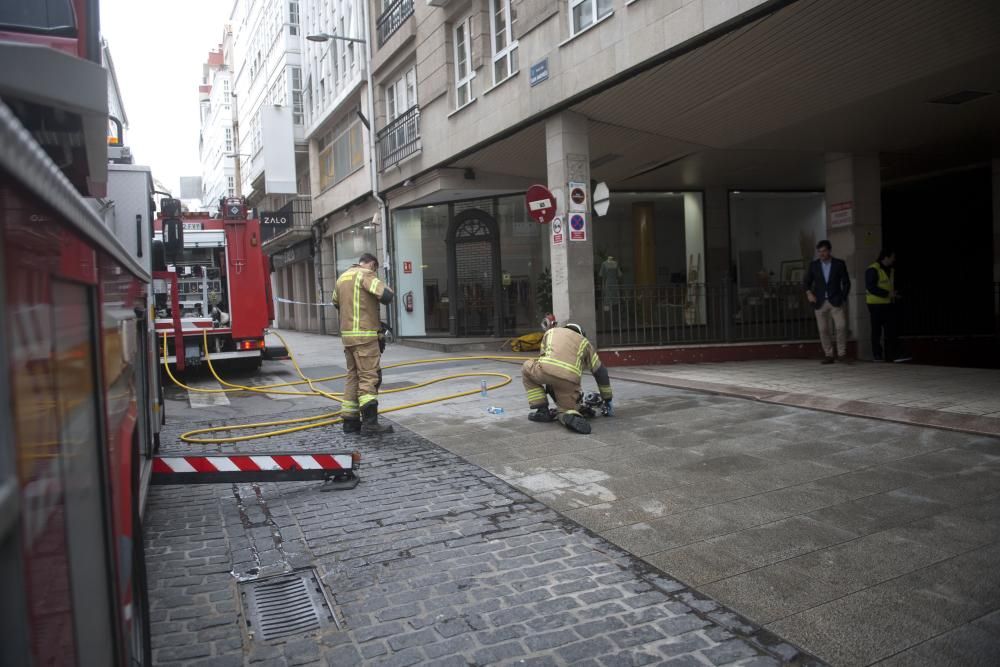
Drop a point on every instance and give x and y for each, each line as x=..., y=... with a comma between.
x=649, y=261
x=471, y=268
x=353, y=242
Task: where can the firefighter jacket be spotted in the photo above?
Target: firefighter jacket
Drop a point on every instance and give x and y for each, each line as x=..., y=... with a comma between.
x=565, y=354
x=357, y=296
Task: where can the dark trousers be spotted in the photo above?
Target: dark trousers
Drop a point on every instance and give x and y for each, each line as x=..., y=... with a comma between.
x=883, y=319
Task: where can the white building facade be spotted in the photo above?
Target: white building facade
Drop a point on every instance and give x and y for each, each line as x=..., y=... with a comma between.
x=216, y=144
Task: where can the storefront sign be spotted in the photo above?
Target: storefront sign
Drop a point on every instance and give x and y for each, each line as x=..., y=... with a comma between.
x=578, y=197
x=407, y=267
x=842, y=214
x=539, y=72
x=274, y=223
x=557, y=232
x=578, y=227
x=541, y=204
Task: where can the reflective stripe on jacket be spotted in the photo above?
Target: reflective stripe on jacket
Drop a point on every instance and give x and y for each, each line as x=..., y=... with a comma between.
x=565, y=354
x=357, y=295
x=885, y=282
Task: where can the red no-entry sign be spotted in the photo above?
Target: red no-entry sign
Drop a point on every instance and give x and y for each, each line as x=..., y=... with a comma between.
x=541, y=204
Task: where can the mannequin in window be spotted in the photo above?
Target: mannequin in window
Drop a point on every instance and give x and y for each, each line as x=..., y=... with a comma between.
x=610, y=274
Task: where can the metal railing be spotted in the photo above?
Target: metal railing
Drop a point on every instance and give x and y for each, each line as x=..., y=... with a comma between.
x=400, y=138
x=392, y=18
x=702, y=313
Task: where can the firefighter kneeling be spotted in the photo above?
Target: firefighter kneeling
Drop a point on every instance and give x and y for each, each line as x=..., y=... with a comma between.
x=565, y=354
x=357, y=296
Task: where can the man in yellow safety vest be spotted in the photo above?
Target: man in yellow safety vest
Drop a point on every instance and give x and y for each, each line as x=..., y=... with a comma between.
x=880, y=295
x=358, y=295
x=565, y=354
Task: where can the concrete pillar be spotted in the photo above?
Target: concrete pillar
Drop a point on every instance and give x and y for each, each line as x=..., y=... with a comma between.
x=298, y=310
x=854, y=227
x=643, y=244
x=567, y=150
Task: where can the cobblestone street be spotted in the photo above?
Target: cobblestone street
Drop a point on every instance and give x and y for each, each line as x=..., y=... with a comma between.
x=430, y=560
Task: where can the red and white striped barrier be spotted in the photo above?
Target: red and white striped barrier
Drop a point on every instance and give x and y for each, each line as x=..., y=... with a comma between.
x=222, y=468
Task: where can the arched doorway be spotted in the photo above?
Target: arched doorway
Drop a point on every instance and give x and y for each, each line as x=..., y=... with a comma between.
x=474, y=276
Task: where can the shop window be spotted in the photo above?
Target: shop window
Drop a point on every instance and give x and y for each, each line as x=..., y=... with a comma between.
x=502, y=20
x=585, y=13
x=463, y=63
x=353, y=242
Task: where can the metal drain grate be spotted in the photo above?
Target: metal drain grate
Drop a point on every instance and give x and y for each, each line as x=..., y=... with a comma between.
x=286, y=605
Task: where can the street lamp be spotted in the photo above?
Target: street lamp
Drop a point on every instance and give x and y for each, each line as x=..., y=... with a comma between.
x=324, y=36
x=370, y=126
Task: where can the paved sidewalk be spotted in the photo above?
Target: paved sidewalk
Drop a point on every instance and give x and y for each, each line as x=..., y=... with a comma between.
x=965, y=399
x=859, y=540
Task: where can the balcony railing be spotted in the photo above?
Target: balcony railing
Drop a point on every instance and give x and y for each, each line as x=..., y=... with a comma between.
x=400, y=138
x=393, y=17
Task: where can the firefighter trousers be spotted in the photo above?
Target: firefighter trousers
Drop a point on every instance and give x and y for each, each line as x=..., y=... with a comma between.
x=536, y=378
x=363, y=377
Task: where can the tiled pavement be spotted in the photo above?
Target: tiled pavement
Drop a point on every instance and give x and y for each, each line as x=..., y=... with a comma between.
x=859, y=540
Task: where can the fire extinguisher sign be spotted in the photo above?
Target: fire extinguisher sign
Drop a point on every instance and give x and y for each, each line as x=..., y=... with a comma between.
x=407, y=267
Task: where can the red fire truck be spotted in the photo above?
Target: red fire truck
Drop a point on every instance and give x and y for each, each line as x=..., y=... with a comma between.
x=76, y=357
x=210, y=275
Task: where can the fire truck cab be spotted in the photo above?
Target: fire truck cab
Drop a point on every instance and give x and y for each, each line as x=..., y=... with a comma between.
x=211, y=277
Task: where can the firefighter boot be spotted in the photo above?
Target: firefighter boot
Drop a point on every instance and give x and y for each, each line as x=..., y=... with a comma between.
x=542, y=415
x=369, y=421
x=352, y=425
x=575, y=422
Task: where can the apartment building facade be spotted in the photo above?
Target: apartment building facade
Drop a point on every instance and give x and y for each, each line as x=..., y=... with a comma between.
x=216, y=146
x=732, y=135
x=274, y=166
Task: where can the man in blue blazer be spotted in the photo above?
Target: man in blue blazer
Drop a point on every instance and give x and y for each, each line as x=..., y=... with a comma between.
x=827, y=286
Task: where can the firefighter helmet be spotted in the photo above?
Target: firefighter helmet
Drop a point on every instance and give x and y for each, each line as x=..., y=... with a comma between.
x=575, y=327
x=548, y=322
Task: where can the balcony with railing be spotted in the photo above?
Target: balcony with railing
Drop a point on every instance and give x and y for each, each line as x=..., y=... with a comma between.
x=392, y=18
x=400, y=138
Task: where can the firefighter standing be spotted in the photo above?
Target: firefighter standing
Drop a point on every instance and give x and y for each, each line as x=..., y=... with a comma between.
x=357, y=296
x=565, y=354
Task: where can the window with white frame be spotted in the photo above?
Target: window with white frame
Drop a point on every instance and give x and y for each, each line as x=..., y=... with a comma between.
x=502, y=20
x=401, y=95
x=463, y=62
x=585, y=13
x=297, y=108
x=231, y=186
x=293, y=18
x=229, y=140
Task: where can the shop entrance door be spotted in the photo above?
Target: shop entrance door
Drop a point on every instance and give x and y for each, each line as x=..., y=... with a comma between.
x=474, y=275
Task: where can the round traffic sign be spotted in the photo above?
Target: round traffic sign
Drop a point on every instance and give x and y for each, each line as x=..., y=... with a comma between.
x=541, y=204
x=578, y=195
x=576, y=221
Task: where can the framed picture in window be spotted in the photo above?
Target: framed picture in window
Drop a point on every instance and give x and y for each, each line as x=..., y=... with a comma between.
x=793, y=270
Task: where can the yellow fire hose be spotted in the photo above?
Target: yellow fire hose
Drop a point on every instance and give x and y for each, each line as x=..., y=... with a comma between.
x=329, y=418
